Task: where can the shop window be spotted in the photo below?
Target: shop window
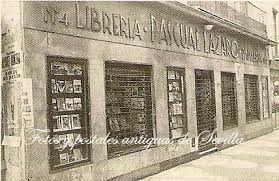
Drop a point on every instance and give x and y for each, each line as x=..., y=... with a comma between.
x=176, y=102
x=229, y=101
x=265, y=97
x=67, y=111
x=252, y=105
x=128, y=106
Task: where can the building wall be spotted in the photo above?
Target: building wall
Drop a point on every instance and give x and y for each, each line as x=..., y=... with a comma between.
x=38, y=44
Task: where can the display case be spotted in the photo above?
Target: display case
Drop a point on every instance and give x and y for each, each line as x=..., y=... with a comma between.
x=176, y=102
x=67, y=112
x=128, y=105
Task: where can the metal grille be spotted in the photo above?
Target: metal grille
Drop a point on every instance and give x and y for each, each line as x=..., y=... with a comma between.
x=205, y=102
x=229, y=102
x=265, y=96
x=128, y=105
x=251, y=98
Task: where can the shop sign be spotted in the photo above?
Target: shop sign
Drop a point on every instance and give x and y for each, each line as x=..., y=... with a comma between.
x=152, y=30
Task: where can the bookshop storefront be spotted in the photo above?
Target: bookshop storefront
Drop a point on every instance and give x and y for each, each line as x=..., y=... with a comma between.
x=131, y=70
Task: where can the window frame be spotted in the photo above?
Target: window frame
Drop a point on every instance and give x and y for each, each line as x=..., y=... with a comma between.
x=183, y=101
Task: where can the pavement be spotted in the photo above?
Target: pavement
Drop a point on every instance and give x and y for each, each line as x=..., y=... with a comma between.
x=254, y=160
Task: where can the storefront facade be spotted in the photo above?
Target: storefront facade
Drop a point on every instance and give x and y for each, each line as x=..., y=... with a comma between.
x=127, y=69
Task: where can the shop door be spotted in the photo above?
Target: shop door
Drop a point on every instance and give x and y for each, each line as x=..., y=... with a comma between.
x=205, y=105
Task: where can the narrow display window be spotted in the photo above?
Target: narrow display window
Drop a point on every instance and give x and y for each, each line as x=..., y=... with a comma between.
x=67, y=111
x=176, y=102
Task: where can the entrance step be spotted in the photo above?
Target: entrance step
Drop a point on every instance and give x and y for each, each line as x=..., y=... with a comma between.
x=206, y=152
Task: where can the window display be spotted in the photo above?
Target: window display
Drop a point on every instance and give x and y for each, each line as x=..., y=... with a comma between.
x=128, y=105
x=252, y=104
x=229, y=101
x=265, y=97
x=176, y=102
x=67, y=115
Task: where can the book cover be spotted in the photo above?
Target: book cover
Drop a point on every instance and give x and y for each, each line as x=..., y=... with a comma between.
x=71, y=156
x=177, y=133
x=113, y=122
x=54, y=105
x=70, y=139
x=56, y=123
x=75, y=121
x=56, y=68
x=77, y=86
x=177, y=75
x=62, y=141
x=123, y=123
x=71, y=69
x=141, y=117
x=65, y=122
x=171, y=97
x=64, y=68
x=60, y=85
x=141, y=91
x=177, y=108
x=77, y=69
x=61, y=104
x=134, y=91
x=69, y=86
x=77, y=154
x=175, y=86
x=69, y=104
x=54, y=88
x=56, y=141
x=77, y=104
x=64, y=158
x=171, y=74
x=77, y=138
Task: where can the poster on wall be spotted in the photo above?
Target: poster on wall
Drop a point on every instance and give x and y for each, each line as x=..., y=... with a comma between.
x=27, y=103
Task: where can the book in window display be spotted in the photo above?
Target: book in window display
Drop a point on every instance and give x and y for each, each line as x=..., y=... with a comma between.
x=56, y=68
x=61, y=104
x=57, y=123
x=141, y=91
x=123, y=123
x=70, y=139
x=171, y=74
x=54, y=86
x=69, y=104
x=175, y=86
x=137, y=103
x=69, y=86
x=176, y=121
x=62, y=141
x=77, y=86
x=75, y=120
x=65, y=122
x=114, y=125
x=64, y=158
x=77, y=69
x=77, y=104
x=60, y=84
x=71, y=156
x=77, y=154
x=177, y=133
x=56, y=142
x=54, y=105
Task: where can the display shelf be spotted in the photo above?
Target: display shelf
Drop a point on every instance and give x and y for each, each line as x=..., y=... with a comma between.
x=176, y=102
x=67, y=111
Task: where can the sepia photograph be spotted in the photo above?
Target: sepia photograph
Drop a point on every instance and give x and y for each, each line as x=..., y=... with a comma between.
x=139, y=90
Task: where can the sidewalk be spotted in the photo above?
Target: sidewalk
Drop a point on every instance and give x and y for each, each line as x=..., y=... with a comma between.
x=254, y=160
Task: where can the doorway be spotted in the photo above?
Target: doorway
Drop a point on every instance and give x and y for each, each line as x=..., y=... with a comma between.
x=205, y=106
